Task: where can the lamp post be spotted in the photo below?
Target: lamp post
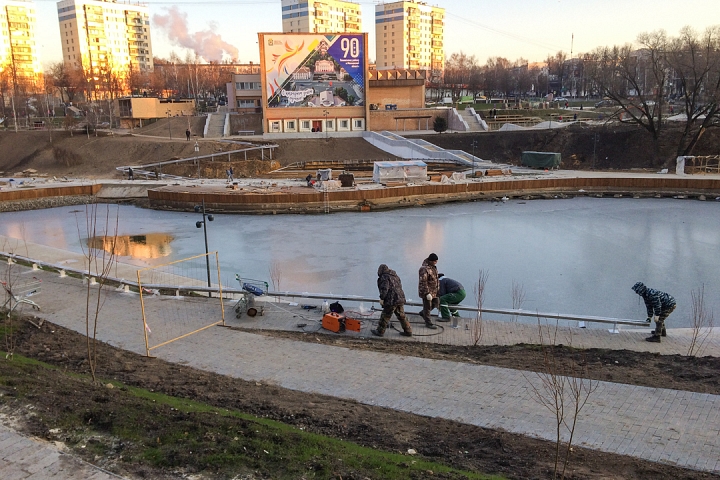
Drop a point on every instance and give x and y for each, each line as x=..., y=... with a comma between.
x=474, y=144
x=169, y=130
x=326, y=113
x=197, y=149
x=203, y=223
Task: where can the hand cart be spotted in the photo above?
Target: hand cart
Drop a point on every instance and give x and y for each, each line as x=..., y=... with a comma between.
x=19, y=293
x=251, y=288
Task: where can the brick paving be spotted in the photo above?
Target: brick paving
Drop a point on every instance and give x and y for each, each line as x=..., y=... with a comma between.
x=668, y=426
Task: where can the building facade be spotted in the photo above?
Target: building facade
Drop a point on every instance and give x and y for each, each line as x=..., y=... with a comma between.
x=19, y=60
x=409, y=35
x=105, y=35
x=244, y=92
x=321, y=16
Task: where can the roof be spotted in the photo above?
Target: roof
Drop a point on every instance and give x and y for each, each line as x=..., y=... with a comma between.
x=401, y=163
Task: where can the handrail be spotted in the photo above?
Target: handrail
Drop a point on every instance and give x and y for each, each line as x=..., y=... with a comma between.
x=330, y=296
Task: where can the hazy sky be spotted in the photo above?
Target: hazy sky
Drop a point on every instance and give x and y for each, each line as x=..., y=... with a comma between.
x=530, y=29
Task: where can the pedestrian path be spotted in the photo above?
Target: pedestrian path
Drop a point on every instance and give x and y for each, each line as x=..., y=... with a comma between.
x=23, y=458
x=668, y=426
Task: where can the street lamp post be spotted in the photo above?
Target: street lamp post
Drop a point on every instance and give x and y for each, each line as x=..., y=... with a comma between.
x=474, y=144
x=203, y=223
x=326, y=113
x=169, y=129
x=197, y=149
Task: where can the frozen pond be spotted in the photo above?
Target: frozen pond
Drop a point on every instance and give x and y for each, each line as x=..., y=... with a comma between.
x=574, y=256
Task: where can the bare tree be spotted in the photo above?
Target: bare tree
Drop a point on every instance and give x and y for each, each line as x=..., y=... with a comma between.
x=517, y=294
x=275, y=275
x=702, y=322
x=694, y=63
x=476, y=325
x=99, y=263
x=564, y=389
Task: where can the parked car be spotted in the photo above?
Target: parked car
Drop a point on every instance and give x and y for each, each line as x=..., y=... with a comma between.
x=604, y=103
x=561, y=99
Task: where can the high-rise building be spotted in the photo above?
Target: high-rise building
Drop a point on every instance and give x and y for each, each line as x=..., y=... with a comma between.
x=321, y=16
x=409, y=34
x=19, y=61
x=105, y=35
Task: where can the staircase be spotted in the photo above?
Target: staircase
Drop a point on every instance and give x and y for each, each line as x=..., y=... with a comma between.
x=215, y=125
x=471, y=121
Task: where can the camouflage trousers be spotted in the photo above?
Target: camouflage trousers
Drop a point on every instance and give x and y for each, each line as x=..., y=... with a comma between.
x=386, y=315
x=660, y=323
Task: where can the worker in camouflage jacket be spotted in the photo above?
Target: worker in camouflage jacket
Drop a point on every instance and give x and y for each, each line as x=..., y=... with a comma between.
x=428, y=288
x=392, y=300
x=659, y=306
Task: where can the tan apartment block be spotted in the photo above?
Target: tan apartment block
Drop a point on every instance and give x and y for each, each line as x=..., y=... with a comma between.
x=321, y=16
x=103, y=35
x=409, y=35
x=244, y=92
x=19, y=58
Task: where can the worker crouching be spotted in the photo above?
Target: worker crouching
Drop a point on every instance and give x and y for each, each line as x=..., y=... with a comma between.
x=392, y=300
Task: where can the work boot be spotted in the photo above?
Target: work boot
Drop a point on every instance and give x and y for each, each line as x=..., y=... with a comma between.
x=653, y=338
x=406, y=334
x=664, y=333
x=376, y=333
x=431, y=326
x=443, y=319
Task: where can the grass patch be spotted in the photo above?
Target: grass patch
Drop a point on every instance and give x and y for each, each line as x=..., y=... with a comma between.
x=137, y=428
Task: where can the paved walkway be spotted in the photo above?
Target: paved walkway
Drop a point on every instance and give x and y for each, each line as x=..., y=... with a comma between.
x=669, y=426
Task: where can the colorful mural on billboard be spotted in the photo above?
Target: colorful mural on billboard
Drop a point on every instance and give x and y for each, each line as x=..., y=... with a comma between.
x=314, y=70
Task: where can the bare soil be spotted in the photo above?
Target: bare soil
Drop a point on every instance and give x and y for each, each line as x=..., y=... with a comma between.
x=615, y=147
x=462, y=446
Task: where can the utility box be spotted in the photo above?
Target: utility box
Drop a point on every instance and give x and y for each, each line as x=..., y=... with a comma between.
x=540, y=159
x=346, y=180
x=400, y=171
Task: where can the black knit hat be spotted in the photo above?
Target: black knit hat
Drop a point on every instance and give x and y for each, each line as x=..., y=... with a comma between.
x=432, y=257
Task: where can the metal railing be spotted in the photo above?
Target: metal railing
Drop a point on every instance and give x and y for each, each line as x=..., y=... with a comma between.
x=325, y=296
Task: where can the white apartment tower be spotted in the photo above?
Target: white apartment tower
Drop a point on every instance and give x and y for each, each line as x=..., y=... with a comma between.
x=105, y=35
x=409, y=35
x=19, y=60
x=320, y=16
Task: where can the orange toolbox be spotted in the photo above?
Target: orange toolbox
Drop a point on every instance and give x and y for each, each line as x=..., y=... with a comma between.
x=339, y=323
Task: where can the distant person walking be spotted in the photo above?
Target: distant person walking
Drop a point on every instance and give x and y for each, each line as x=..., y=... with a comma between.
x=131, y=174
x=659, y=306
x=187, y=134
x=451, y=293
x=392, y=300
x=428, y=287
x=229, y=172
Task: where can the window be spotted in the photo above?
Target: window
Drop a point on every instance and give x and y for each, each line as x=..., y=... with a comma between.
x=246, y=104
x=358, y=123
x=344, y=123
x=290, y=125
x=306, y=124
x=330, y=125
x=274, y=126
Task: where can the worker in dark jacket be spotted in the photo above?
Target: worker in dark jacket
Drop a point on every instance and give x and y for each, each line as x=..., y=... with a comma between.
x=659, y=305
x=428, y=287
x=451, y=293
x=392, y=299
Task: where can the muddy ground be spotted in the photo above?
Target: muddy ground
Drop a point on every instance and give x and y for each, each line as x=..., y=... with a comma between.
x=458, y=445
x=609, y=147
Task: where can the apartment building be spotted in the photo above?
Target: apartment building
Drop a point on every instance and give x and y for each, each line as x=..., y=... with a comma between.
x=321, y=16
x=409, y=35
x=19, y=60
x=105, y=35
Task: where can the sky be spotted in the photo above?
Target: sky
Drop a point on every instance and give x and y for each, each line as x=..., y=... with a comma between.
x=529, y=29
